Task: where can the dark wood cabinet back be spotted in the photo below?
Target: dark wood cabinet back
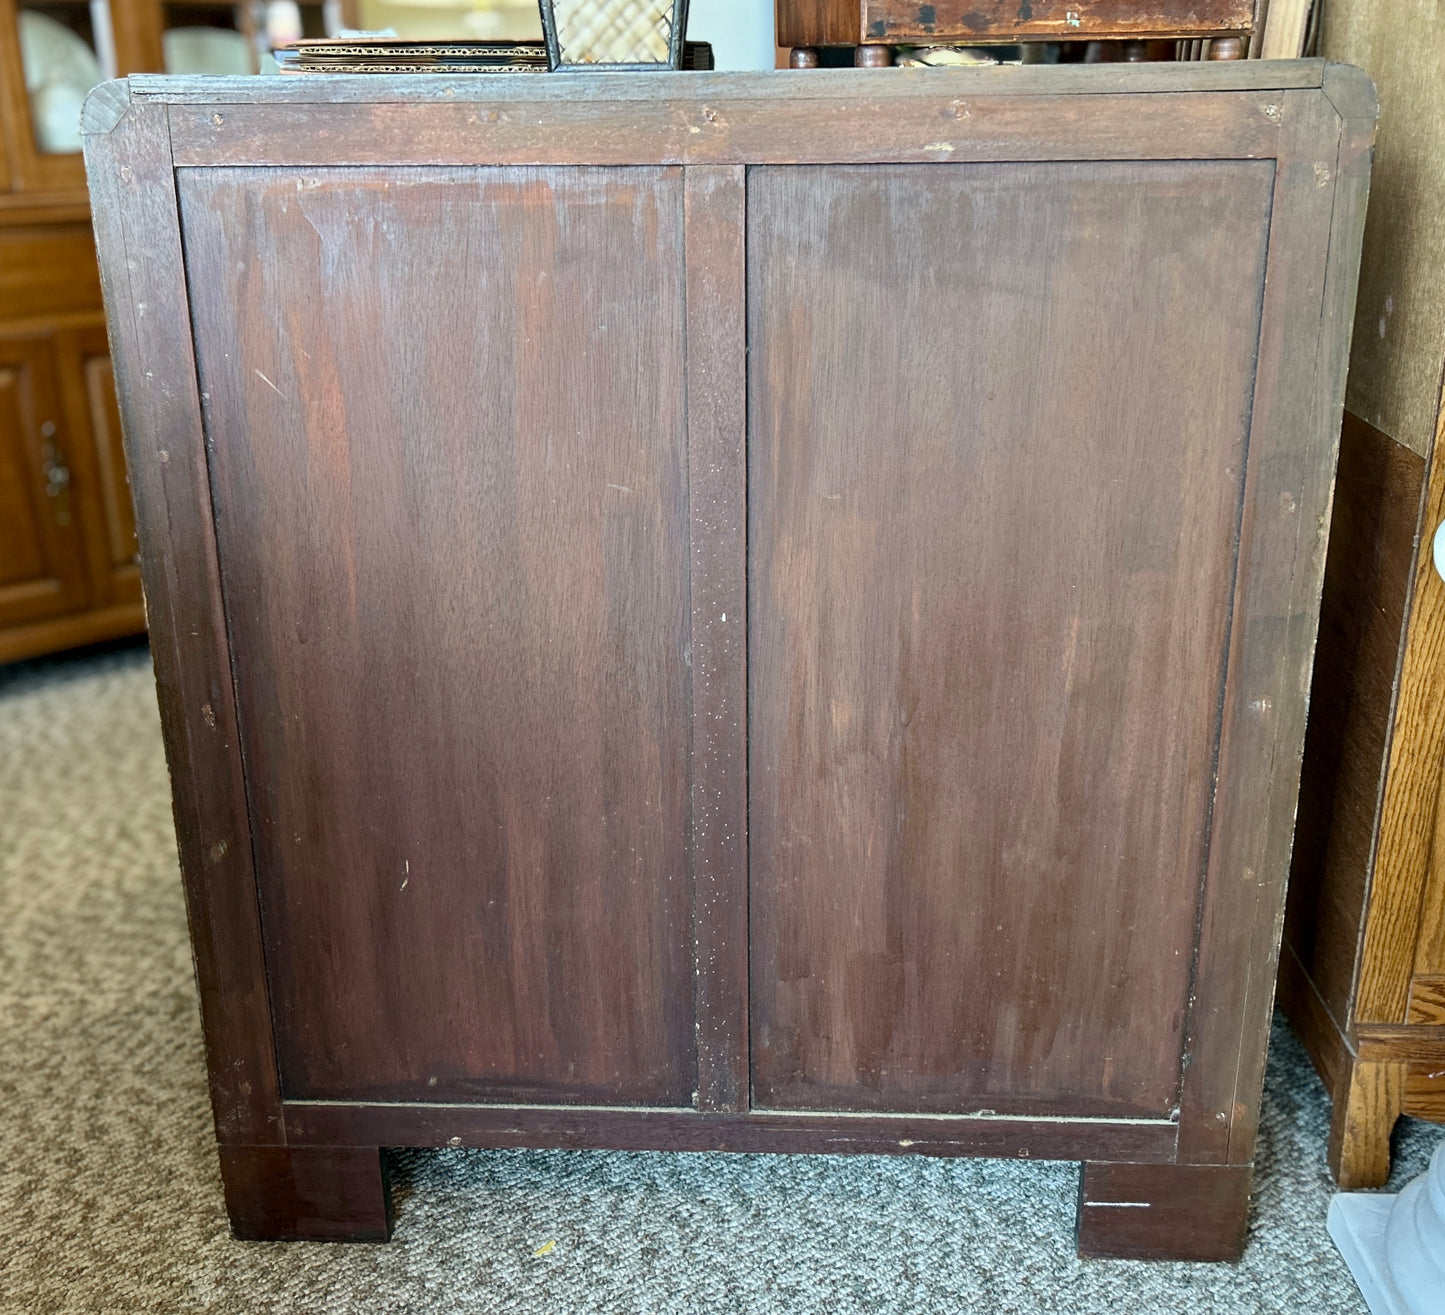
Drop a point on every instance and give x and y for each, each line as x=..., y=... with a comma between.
x=997, y=449
x=445, y=410
x=742, y=612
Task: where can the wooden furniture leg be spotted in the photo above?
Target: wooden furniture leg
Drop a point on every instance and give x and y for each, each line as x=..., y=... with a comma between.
x=804, y=57
x=1163, y=1211
x=1367, y=1100
x=307, y=1193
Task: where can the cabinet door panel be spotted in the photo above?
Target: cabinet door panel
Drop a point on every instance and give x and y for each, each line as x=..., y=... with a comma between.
x=88, y=387
x=42, y=573
x=445, y=410
x=998, y=424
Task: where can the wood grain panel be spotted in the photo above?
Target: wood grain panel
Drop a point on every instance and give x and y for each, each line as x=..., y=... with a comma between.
x=1409, y=842
x=818, y=22
x=988, y=601
x=741, y=125
x=1369, y=571
x=1427, y=1001
x=48, y=271
x=446, y=412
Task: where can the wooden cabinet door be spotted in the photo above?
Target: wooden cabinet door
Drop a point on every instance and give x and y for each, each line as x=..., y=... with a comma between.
x=42, y=571
x=88, y=388
x=997, y=446
x=445, y=412
x=36, y=168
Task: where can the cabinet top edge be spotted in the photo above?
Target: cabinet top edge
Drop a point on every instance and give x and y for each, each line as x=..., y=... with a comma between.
x=781, y=85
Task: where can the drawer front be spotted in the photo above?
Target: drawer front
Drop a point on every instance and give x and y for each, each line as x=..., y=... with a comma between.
x=997, y=437
x=46, y=273
x=446, y=414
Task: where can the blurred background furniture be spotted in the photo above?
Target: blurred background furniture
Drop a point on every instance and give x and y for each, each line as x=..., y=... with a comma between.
x=1362, y=974
x=68, y=573
x=875, y=27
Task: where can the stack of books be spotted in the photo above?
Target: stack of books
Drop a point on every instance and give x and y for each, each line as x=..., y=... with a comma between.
x=392, y=55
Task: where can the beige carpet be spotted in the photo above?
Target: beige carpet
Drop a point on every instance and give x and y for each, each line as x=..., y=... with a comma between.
x=110, y=1201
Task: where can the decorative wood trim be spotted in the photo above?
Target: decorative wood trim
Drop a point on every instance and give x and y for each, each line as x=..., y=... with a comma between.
x=1404, y=1041
x=143, y=277
x=715, y=222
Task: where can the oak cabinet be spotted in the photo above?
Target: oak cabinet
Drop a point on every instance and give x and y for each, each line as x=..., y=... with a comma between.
x=1362, y=974
x=672, y=631
x=1362, y=971
x=63, y=585
x=42, y=567
x=68, y=568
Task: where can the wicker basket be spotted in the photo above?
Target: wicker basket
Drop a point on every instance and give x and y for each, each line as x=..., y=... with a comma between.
x=614, y=34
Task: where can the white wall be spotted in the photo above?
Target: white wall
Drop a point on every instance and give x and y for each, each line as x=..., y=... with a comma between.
x=741, y=31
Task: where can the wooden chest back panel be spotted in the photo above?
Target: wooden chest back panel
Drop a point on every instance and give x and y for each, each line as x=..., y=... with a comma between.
x=997, y=443
x=450, y=590
x=445, y=410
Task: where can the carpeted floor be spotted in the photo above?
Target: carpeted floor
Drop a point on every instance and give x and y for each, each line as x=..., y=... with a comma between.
x=110, y=1200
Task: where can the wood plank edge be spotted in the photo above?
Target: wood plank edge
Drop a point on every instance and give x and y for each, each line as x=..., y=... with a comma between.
x=496, y=1126
x=1241, y=76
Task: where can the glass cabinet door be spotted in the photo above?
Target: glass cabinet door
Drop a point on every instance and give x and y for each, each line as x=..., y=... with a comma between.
x=52, y=52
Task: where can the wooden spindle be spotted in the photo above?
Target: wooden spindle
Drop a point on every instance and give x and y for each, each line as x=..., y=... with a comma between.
x=1226, y=48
